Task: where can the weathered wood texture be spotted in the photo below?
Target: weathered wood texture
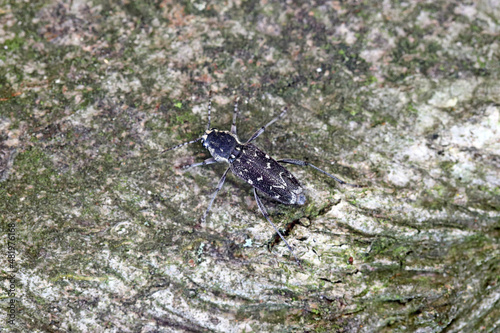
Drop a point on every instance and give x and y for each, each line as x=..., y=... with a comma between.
x=402, y=97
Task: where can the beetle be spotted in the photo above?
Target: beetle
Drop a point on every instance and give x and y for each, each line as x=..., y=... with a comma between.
x=253, y=166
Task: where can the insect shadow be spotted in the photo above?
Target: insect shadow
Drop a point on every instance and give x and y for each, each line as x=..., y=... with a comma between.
x=253, y=166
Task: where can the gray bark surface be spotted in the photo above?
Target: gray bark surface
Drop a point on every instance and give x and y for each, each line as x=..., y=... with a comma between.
x=102, y=232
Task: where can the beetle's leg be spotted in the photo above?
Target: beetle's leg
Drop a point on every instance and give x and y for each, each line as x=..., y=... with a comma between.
x=219, y=186
x=264, y=212
x=304, y=163
x=263, y=128
x=208, y=161
x=235, y=115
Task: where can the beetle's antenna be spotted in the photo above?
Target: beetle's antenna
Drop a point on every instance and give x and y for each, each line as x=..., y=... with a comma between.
x=235, y=115
x=209, y=108
x=182, y=144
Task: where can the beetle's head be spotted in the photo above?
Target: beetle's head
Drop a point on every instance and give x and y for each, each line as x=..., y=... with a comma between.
x=220, y=144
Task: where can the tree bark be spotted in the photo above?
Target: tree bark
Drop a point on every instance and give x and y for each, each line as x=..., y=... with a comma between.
x=103, y=232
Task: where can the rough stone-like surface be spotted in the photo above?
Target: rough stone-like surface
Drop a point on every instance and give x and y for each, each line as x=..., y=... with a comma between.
x=102, y=232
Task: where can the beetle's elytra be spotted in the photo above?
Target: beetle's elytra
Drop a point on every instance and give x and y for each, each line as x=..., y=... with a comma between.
x=254, y=166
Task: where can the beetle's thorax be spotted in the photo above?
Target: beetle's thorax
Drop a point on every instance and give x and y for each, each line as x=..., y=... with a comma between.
x=222, y=145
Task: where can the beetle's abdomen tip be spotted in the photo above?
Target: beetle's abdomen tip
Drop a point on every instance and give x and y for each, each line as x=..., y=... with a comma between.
x=301, y=199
